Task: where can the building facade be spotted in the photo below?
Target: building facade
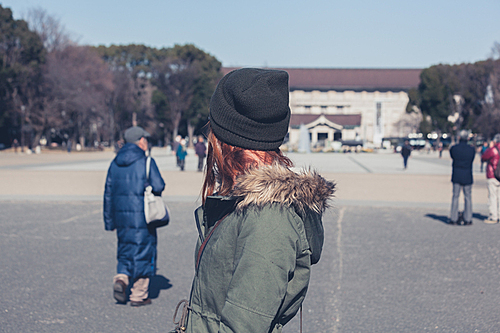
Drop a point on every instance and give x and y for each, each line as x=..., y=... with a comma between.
x=349, y=105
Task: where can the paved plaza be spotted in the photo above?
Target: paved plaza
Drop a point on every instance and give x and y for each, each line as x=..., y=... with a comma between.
x=389, y=264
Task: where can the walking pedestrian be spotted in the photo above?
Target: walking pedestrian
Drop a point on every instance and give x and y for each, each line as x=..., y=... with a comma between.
x=462, y=155
x=124, y=211
x=491, y=155
x=200, y=150
x=181, y=154
x=15, y=144
x=175, y=146
x=406, y=152
x=260, y=227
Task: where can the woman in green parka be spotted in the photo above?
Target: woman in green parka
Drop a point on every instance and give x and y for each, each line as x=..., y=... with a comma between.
x=260, y=227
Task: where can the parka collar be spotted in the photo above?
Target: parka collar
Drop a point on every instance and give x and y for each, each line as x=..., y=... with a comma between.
x=275, y=183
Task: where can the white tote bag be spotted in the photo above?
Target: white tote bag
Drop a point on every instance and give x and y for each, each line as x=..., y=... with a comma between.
x=155, y=210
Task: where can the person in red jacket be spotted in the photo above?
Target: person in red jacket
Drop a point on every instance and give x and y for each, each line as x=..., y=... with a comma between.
x=492, y=156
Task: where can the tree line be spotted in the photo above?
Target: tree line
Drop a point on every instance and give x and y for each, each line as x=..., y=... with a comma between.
x=456, y=97
x=53, y=88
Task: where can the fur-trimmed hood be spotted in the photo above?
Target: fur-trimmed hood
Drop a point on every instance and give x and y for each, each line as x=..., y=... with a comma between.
x=278, y=184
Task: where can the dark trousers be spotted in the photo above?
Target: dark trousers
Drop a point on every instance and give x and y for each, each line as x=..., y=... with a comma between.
x=200, y=162
x=405, y=160
x=467, y=189
x=182, y=162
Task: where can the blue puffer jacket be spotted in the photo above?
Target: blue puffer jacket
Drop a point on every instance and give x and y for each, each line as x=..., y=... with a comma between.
x=124, y=210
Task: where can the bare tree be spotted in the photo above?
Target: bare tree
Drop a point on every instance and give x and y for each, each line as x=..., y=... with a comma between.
x=78, y=86
x=52, y=33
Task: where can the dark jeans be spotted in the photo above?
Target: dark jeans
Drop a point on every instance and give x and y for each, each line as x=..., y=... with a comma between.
x=182, y=162
x=405, y=160
x=200, y=162
x=467, y=189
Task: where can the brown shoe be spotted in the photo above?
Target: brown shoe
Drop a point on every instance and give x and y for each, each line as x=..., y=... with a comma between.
x=147, y=301
x=120, y=291
x=489, y=221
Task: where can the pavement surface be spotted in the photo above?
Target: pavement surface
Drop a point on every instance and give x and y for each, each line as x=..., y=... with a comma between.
x=390, y=262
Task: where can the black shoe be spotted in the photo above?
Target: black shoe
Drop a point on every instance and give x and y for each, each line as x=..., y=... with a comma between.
x=147, y=301
x=467, y=222
x=120, y=291
x=451, y=222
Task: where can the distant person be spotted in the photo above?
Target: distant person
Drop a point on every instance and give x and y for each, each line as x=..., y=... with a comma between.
x=200, y=150
x=69, y=144
x=491, y=155
x=124, y=211
x=428, y=146
x=462, y=155
x=406, y=152
x=181, y=154
x=440, y=149
x=175, y=146
x=15, y=144
x=483, y=149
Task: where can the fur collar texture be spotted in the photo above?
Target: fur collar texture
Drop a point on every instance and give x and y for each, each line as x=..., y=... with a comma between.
x=278, y=184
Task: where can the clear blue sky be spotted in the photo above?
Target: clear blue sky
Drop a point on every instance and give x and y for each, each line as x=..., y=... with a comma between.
x=324, y=33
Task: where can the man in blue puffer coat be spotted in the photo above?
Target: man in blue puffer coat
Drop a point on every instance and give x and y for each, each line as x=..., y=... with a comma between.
x=124, y=211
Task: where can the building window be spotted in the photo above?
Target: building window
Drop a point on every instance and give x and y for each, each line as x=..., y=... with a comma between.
x=322, y=136
x=307, y=108
x=324, y=108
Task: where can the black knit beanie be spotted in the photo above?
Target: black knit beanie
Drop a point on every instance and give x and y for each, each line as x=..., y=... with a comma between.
x=249, y=108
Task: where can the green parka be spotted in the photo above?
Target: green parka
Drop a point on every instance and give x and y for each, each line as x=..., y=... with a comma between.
x=255, y=250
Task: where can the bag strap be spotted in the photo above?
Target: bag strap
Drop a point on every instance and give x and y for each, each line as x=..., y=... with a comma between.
x=148, y=166
x=181, y=323
x=300, y=318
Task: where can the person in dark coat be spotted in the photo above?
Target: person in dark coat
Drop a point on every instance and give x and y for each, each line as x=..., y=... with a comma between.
x=406, y=152
x=462, y=155
x=124, y=211
x=200, y=150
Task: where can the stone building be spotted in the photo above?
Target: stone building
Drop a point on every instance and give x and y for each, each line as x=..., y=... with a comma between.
x=349, y=105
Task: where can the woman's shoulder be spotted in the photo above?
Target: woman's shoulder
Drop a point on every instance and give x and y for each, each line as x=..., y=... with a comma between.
x=278, y=185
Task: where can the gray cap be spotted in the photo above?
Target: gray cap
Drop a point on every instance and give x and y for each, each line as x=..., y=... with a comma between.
x=134, y=134
x=463, y=135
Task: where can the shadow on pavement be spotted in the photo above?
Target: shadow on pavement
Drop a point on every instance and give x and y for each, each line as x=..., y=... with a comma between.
x=157, y=283
x=444, y=218
x=479, y=216
x=440, y=218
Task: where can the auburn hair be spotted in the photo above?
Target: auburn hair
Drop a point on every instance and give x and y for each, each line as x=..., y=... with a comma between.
x=225, y=163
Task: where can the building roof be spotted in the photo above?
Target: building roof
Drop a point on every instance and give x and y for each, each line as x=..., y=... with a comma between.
x=357, y=79
x=340, y=119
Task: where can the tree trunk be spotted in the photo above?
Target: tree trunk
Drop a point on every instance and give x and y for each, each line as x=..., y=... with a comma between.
x=190, y=129
x=36, y=140
x=176, y=121
x=134, y=119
